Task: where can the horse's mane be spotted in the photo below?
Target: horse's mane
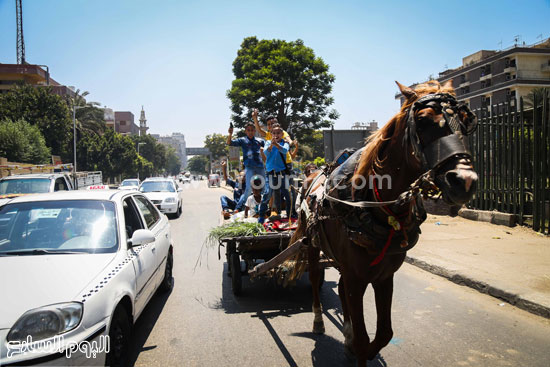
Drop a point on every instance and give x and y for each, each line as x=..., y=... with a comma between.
x=370, y=158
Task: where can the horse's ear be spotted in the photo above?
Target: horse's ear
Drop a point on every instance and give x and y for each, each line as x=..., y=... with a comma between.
x=448, y=85
x=406, y=91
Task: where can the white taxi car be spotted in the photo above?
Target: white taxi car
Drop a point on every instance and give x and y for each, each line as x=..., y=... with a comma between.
x=78, y=268
x=129, y=184
x=164, y=193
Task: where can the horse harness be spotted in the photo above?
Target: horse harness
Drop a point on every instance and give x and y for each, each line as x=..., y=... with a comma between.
x=333, y=199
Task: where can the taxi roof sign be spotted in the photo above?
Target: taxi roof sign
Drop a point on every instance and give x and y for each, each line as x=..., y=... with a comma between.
x=98, y=187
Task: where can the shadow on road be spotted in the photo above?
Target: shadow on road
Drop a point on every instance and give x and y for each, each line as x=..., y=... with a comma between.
x=265, y=299
x=331, y=352
x=264, y=294
x=145, y=324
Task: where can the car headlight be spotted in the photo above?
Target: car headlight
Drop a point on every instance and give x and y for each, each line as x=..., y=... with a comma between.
x=170, y=200
x=46, y=322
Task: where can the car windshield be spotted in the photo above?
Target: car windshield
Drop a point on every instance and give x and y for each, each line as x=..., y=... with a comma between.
x=157, y=186
x=24, y=186
x=130, y=183
x=58, y=227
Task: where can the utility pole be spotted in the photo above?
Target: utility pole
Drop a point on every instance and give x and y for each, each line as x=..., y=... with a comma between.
x=20, y=40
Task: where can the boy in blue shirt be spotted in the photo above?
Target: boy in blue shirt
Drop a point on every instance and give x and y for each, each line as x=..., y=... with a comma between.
x=275, y=152
x=252, y=160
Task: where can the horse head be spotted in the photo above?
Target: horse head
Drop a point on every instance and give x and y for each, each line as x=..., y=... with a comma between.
x=437, y=129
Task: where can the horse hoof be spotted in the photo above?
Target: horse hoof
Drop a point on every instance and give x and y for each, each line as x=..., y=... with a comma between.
x=318, y=327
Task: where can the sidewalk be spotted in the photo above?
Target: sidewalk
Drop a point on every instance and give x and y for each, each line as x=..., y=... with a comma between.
x=512, y=264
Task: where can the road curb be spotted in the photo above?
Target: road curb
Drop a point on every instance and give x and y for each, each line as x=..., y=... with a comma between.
x=482, y=287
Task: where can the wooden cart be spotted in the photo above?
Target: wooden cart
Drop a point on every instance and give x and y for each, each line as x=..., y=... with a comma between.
x=272, y=248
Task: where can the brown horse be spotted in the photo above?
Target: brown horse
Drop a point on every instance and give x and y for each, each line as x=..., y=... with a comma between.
x=366, y=229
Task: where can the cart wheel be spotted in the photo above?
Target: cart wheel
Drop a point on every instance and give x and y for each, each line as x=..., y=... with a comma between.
x=236, y=281
x=321, y=277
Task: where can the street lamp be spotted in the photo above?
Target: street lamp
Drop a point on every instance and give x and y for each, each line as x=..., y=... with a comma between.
x=138, y=154
x=74, y=137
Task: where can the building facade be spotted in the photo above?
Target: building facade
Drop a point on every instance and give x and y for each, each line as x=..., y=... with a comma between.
x=493, y=77
x=490, y=77
x=177, y=141
x=124, y=120
x=14, y=74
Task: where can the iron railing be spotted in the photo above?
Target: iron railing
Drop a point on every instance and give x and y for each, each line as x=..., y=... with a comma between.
x=511, y=150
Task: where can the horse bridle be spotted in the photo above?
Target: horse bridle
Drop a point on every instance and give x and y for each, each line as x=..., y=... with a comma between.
x=453, y=145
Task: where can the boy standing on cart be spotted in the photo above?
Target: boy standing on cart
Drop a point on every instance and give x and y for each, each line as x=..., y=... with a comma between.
x=275, y=152
x=253, y=163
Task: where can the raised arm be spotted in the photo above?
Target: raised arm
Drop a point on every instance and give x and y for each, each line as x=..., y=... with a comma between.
x=257, y=124
x=230, y=131
x=294, y=152
x=224, y=170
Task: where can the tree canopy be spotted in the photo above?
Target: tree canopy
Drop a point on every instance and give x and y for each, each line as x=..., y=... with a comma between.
x=23, y=142
x=198, y=164
x=284, y=79
x=41, y=107
x=217, y=144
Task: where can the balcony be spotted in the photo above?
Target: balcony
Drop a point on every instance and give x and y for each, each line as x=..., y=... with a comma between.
x=485, y=77
x=510, y=69
x=465, y=84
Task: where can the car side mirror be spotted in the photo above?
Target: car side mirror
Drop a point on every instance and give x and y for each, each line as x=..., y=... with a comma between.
x=180, y=189
x=141, y=237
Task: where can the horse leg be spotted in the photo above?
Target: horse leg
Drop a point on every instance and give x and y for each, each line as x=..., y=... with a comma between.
x=346, y=329
x=355, y=290
x=315, y=279
x=383, y=292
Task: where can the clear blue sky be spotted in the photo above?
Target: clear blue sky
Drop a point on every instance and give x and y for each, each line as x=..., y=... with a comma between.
x=174, y=57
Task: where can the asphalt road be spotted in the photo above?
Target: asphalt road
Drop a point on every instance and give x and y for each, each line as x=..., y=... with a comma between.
x=201, y=323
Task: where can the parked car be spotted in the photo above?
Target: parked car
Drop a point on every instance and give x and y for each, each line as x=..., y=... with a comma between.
x=78, y=266
x=164, y=193
x=214, y=180
x=129, y=184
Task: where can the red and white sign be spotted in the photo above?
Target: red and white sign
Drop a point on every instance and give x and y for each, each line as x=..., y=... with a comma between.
x=98, y=187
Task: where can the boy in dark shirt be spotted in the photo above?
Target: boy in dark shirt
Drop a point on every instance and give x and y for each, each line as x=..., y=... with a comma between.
x=229, y=205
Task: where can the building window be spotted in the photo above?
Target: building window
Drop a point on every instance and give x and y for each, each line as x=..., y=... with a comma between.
x=463, y=78
x=485, y=83
x=122, y=123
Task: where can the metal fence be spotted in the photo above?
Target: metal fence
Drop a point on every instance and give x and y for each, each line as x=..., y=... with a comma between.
x=511, y=149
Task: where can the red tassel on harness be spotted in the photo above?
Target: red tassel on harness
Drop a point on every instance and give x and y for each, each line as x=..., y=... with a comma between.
x=381, y=255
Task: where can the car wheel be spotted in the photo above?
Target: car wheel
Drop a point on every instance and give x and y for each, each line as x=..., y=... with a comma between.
x=119, y=339
x=168, y=281
x=178, y=212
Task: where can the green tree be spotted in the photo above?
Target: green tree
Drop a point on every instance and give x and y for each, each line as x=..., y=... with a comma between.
x=89, y=116
x=112, y=153
x=284, y=79
x=22, y=142
x=153, y=151
x=198, y=164
x=217, y=144
x=173, y=162
x=536, y=96
x=312, y=145
x=41, y=107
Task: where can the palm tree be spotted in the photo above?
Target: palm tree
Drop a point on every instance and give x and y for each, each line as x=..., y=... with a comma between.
x=89, y=116
x=537, y=95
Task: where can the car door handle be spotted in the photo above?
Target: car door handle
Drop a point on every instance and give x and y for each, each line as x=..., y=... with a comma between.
x=153, y=248
x=166, y=235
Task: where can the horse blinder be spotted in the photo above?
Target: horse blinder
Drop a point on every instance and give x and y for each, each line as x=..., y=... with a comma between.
x=457, y=117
